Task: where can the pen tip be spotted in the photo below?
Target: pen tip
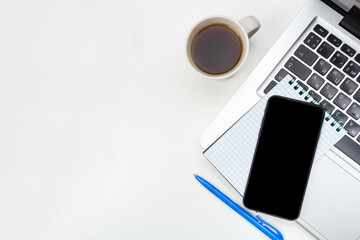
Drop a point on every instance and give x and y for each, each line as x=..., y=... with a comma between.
x=194, y=174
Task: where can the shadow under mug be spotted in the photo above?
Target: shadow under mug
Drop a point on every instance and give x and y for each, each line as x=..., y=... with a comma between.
x=245, y=29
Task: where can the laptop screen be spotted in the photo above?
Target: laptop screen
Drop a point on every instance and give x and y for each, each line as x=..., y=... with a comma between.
x=346, y=4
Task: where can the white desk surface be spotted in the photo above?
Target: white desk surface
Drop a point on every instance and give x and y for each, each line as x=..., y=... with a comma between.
x=101, y=115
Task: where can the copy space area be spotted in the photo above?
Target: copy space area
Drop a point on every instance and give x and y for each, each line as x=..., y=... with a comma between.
x=101, y=116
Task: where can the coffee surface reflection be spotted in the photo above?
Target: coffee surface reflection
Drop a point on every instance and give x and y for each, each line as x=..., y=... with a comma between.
x=216, y=49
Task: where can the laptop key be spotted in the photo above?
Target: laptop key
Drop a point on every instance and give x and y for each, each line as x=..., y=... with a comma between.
x=302, y=85
x=329, y=91
x=315, y=96
x=352, y=128
x=296, y=67
x=354, y=111
x=342, y=101
x=357, y=96
x=352, y=69
x=320, y=30
x=348, y=50
x=325, y=50
x=338, y=59
x=334, y=40
x=322, y=67
x=349, y=147
x=328, y=107
x=306, y=55
x=335, y=76
x=269, y=87
x=312, y=40
x=340, y=117
x=349, y=86
x=315, y=81
x=357, y=58
x=281, y=74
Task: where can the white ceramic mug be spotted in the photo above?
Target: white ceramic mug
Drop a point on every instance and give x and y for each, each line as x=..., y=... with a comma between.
x=245, y=28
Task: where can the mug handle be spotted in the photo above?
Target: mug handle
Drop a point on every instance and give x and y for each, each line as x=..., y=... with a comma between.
x=250, y=24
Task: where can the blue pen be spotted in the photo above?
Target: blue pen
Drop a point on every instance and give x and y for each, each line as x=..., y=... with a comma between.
x=260, y=224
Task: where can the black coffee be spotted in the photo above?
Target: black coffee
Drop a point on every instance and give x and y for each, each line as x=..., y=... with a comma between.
x=216, y=49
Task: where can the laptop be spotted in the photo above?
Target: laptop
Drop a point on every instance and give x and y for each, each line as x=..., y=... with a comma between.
x=321, y=49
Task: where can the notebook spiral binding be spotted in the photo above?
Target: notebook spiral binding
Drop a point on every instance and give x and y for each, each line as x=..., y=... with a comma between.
x=307, y=95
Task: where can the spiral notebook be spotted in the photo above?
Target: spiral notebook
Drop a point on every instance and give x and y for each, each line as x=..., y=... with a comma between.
x=232, y=153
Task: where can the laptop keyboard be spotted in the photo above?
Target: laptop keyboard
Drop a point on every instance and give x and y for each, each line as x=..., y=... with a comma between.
x=330, y=69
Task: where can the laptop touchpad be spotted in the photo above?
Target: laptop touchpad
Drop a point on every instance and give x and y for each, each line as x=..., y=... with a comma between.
x=332, y=201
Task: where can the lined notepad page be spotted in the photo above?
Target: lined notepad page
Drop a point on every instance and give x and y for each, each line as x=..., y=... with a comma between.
x=233, y=152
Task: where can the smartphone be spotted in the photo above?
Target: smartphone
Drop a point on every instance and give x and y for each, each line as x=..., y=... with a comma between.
x=283, y=157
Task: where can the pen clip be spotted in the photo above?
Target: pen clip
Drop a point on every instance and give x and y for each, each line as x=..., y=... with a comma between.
x=270, y=227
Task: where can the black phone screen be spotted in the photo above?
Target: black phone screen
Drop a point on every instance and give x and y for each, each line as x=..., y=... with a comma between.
x=283, y=157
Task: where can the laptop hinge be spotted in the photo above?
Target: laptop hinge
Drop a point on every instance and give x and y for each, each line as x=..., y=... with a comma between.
x=351, y=21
